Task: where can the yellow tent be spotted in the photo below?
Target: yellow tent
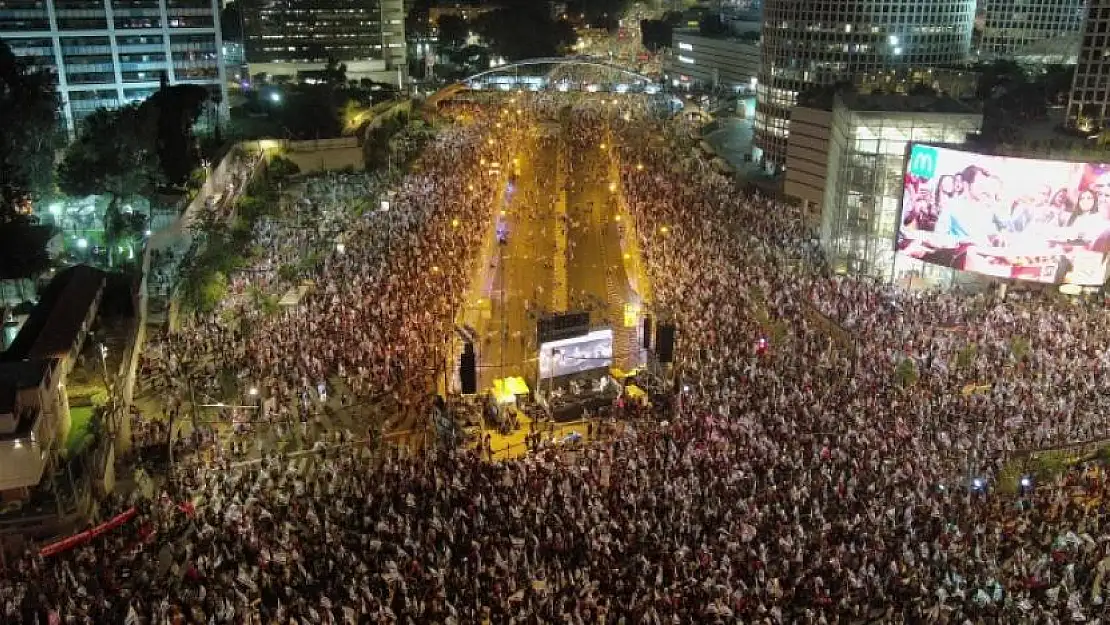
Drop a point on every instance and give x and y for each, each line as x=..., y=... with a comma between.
x=621, y=374
x=505, y=390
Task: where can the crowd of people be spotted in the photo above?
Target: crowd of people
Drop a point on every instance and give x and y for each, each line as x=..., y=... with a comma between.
x=798, y=477
x=372, y=311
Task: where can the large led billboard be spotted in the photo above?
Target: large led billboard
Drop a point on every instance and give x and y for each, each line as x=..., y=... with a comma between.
x=577, y=354
x=1026, y=219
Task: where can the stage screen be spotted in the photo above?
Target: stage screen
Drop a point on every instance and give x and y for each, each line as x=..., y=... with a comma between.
x=574, y=355
x=1026, y=219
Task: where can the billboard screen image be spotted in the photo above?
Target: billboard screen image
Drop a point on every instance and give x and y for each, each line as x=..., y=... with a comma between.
x=578, y=354
x=1026, y=219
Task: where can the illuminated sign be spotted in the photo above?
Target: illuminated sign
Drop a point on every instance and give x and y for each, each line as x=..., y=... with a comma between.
x=578, y=354
x=1015, y=218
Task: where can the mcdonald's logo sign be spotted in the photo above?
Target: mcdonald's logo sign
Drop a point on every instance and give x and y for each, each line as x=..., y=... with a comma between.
x=923, y=161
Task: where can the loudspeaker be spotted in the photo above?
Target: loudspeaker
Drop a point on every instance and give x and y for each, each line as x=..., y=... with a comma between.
x=468, y=370
x=645, y=333
x=664, y=342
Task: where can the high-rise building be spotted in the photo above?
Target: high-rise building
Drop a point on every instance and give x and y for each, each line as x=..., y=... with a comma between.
x=808, y=43
x=1089, y=106
x=107, y=53
x=1041, y=30
x=291, y=37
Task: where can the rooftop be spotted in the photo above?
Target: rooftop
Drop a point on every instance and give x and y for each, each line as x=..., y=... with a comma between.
x=751, y=37
x=53, y=325
x=898, y=103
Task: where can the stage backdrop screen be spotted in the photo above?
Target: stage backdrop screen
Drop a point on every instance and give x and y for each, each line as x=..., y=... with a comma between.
x=1027, y=219
x=574, y=355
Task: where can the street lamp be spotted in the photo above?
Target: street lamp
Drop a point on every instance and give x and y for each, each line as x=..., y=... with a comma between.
x=253, y=392
x=340, y=248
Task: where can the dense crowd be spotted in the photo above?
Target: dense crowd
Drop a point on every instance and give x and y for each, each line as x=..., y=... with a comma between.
x=800, y=478
x=367, y=293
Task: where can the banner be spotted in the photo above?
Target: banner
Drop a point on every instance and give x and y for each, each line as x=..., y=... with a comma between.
x=79, y=539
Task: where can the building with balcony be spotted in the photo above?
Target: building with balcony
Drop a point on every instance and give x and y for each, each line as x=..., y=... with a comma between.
x=34, y=407
x=1089, y=104
x=712, y=62
x=109, y=53
x=289, y=37
x=845, y=160
x=1045, y=31
x=808, y=43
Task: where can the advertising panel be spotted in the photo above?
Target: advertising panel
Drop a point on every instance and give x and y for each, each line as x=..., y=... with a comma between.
x=578, y=354
x=1026, y=219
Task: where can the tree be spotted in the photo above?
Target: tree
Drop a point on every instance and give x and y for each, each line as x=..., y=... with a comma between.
x=115, y=156
x=520, y=32
x=711, y=24
x=29, y=136
x=176, y=110
x=599, y=13
x=281, y=168
x=997, y=74
x=452, y=31
x=231, y=22
x=23, y=248
x=335, y=73
x=656, y=34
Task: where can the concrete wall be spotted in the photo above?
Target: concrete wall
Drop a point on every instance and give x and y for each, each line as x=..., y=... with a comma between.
x=807, y=155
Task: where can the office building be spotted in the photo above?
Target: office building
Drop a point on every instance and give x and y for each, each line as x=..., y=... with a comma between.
x=705, y=61
x=291, y=37
x=808, y=43
x=1045, y=31
x=1089, y=104
x=108, y=53
x=845, y=158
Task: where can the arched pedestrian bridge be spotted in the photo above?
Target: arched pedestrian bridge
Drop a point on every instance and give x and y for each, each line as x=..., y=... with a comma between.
x=565, y=73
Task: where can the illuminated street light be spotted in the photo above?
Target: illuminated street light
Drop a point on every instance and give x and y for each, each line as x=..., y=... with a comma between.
x=603, y=146
x=454, y=223
x=253, y=392
x=435, y=268
x=616, y=217
x=339, y=247
x=275, y=96
x=664, y=229
x=612, y=187
x=639, y=167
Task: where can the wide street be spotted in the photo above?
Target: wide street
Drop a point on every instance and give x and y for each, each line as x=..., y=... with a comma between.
x=562, y=252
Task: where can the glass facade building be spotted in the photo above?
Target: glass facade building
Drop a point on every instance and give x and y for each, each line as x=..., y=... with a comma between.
x=1045, y=31
x=1089, y=104
x=809, y=43
x=868, y=137
x=107, y=53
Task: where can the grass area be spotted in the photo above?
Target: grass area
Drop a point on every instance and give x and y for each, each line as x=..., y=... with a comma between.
x=81, y=418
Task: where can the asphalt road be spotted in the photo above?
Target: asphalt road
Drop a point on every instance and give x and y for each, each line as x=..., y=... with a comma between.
x=596, y=277
x=555, y=188
x=524, y=282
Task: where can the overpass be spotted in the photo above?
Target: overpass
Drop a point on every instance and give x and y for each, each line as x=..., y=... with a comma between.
x=564, y=73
